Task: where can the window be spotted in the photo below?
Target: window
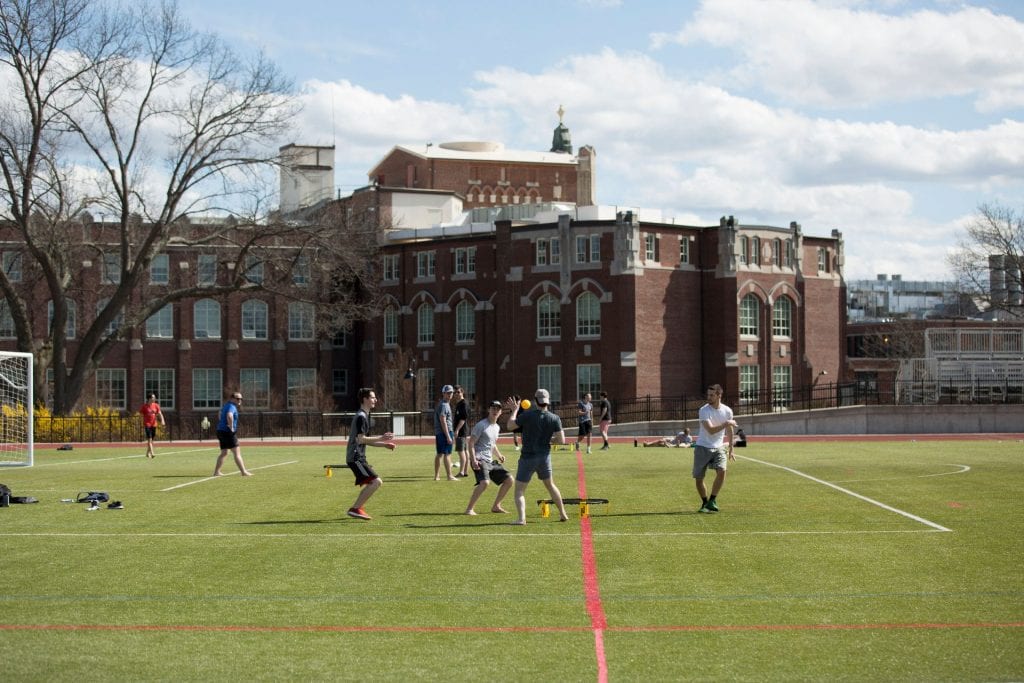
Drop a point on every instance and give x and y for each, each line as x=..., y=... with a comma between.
x=776, y=252
x=550, y=377
x=549, y=324
x=466, y=378
x=159, y=381
x=588, y=379
x=390, y=326
x=160, y=270
x=555, y=251
x=111, y=269
x=206, y=270
x=254, y=320
x=301, y=388
x=749, y=309
x=782, y=385
x=425, y=324
x=822, y=260
x=465, y=322
x=6, y=321
x=391, y=271
x=160, y=325
x=595, y=248
x=465, y=261
x=744, y=250
x=782, y=317
x=116, y=322
x=428, y=380
x=300, y=321
x=111, y=388
x=588, y=315
x=302, y=273
x=253, y=269
x=650, y=247
x=340, y=339
x=541, y=250
x=684, y=250
x=206, y=319
x=755, y=251
x=254, y=383
x=12, y=261
x=582, y=250
x=72, y=321
x=425, y=264
x=339, y=381
x=788, y=254
x=750, y=385
x=207, y=388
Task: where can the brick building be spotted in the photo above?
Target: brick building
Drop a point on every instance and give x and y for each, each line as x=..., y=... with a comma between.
x=500, y=272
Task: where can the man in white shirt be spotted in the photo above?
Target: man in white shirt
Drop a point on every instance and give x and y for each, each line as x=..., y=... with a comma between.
x=714, y=446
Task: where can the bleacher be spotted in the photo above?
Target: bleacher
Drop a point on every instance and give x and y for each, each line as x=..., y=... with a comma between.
x=965, y=366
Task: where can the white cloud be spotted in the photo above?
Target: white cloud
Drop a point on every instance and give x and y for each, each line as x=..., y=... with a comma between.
x=827, y=54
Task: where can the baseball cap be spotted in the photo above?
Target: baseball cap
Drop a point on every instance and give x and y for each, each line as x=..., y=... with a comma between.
x=543, y=397
x=447, y=389
x=494, y=404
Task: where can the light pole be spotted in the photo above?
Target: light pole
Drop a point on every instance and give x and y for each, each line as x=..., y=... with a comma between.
x=411, y=374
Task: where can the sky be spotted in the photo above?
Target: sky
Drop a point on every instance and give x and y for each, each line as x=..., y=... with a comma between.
x=891, y=121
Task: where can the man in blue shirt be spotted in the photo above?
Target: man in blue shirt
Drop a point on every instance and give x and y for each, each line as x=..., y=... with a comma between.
x=444, y=434
x=227, y=435
x=539, y=426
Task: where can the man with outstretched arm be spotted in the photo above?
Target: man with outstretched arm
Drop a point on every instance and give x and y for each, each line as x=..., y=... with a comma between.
x=714, y=446
x=538, y=427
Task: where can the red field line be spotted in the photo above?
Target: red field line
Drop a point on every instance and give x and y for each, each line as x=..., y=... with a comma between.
x=328, y=628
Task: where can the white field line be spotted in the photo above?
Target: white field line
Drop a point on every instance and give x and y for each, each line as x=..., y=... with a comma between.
x=435, y=534
x=848, y=492
x=962, y=470
x=200, y=481
x=119, y=457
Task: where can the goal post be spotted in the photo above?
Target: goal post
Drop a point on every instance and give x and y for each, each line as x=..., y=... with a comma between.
x=16, y=427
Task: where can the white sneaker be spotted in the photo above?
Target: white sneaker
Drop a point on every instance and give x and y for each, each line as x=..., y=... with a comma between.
x=588, y=450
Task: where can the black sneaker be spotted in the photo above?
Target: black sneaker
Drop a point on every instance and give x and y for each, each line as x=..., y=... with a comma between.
x=116, y=505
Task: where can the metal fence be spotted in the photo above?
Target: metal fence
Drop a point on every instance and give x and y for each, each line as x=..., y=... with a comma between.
x=261, y=425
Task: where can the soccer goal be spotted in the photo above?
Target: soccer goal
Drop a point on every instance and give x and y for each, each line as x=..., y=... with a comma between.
x=16, y=445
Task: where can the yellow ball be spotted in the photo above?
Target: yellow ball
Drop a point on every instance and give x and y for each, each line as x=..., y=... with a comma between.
x=525, y=404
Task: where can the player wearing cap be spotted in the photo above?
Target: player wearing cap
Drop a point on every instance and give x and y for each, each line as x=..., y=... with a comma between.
x=483, y=442
x=443, y=433
x=539, y=426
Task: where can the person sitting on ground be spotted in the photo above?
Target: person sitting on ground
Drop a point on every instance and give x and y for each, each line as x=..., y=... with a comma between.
x=740, y=440
x=680, y=440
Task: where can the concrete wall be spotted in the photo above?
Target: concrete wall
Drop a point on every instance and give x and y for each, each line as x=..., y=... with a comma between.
x=947, y=419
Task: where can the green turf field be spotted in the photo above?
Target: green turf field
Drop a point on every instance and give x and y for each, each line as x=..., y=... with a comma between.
x=861, y=561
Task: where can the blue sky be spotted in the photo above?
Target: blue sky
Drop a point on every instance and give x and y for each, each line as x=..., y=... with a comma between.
x=889, y=120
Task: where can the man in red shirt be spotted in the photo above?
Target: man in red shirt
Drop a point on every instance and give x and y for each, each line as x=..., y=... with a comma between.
x=151, y=412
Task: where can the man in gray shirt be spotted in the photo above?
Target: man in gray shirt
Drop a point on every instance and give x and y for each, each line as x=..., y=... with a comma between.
x=539, y=426
x=483, y=442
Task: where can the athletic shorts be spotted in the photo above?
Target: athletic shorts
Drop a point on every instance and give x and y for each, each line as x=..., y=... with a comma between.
x=703, y=458
x=150, y=432
x=493, y=470
x=460, y=443
x=528, y=466
x=228, y=440
x=363, y=472
x=444, y=446
x=586, y=428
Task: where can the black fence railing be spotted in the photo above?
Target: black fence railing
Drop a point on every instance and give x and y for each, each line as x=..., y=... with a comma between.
x=261, y=425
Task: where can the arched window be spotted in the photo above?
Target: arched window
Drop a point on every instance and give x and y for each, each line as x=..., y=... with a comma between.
x=254, y=319
x=588, y=315
x=301, y=321
x=425, y=324
x=206, y=319
x=782, y=317
x=549, y=321
x=749, y=308
x=465, y=322
x=390, y=326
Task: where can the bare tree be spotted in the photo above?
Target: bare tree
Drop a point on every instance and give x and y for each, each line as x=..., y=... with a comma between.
x=988, y=260
x=133, y=117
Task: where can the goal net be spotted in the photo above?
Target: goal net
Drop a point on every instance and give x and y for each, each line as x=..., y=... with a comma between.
x=16, y=446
